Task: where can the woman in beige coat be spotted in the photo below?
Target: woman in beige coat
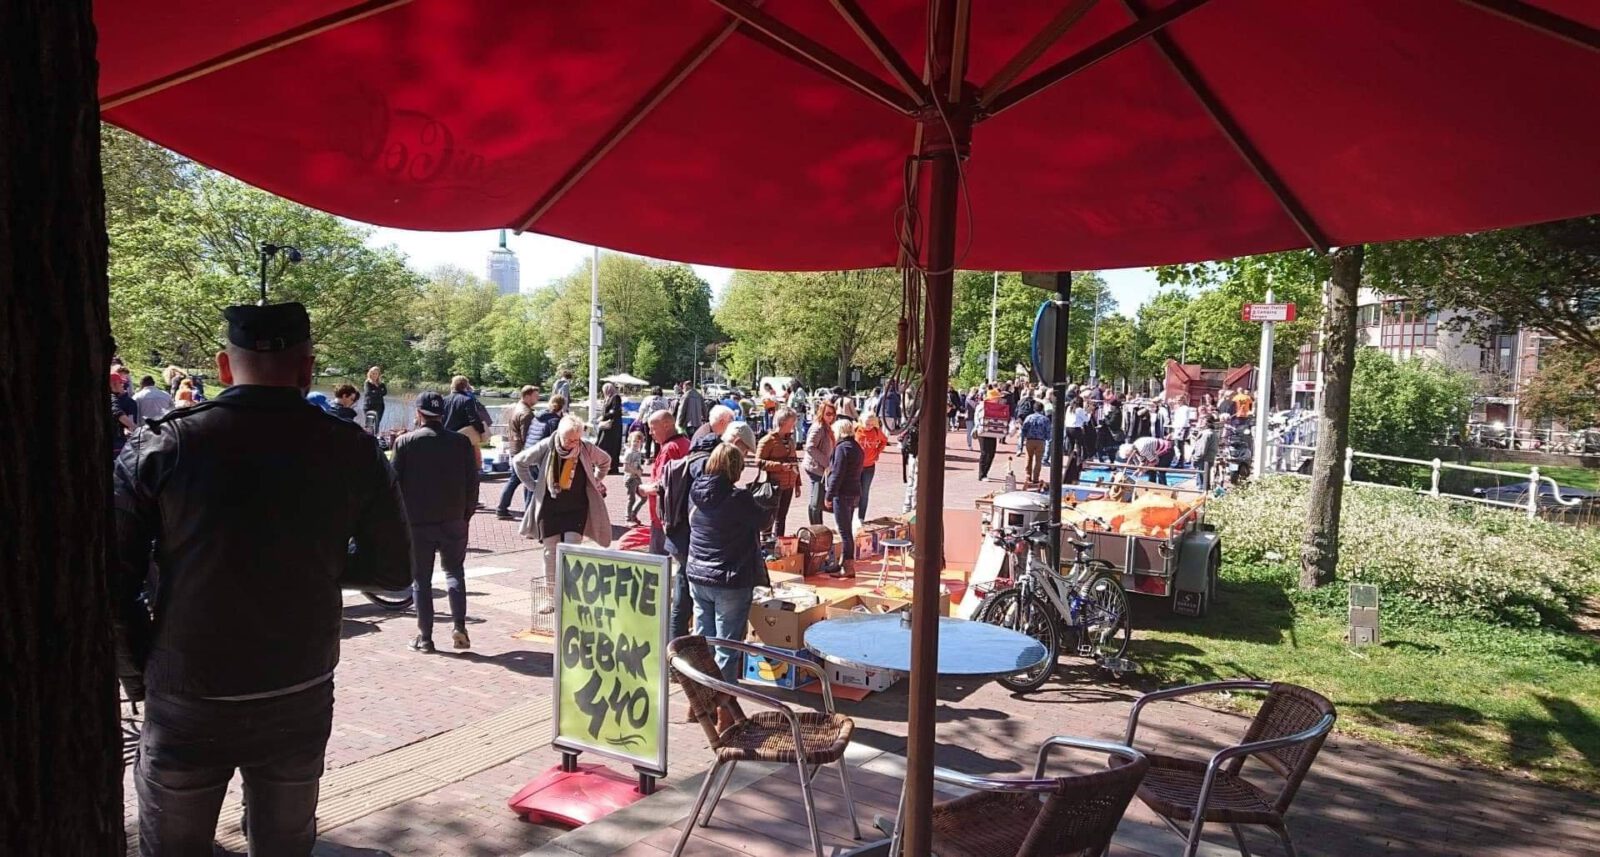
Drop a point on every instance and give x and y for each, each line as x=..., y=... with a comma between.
x=565, y=474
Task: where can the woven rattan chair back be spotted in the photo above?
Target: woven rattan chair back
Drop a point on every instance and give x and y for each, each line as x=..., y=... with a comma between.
x=703, y=701
x=1288, y=709
x=1081, y=815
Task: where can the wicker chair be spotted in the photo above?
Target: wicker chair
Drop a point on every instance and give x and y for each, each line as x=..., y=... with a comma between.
x=806, y=739
x=1042, y=817
x=1285, y=735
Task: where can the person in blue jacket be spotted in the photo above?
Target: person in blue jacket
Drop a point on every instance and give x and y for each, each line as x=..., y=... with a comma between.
x=844, y=483
x=725, y=562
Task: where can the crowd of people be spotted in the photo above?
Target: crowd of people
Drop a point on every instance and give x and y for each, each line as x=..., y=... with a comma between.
x=711, y=482
x=1154, y=433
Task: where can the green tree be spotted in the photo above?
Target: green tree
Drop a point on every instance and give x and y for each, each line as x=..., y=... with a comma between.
x=748, y=314
x=173, y=271
x=1404, y=408
x=1566, y=388
x=137, y=174
x=811, y=324
x=518, y=337
x=634, y=304
x=693, y=327
x=1545, y=276
x=1018, y=305
x=645, y=359
x=451, y=325
x=1214, y=295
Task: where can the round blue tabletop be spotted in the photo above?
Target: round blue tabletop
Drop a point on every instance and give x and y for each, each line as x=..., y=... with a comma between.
x=965, y=648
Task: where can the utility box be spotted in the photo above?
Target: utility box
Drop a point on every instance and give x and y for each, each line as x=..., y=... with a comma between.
x=1363, y=614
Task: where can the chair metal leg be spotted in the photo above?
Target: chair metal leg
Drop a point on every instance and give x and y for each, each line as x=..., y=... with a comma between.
x=705, y=821
x=1192, y=841
x=849, y=802
x=811, y=807
x=1238, y=836
x=688, y=823
x=1283, y=835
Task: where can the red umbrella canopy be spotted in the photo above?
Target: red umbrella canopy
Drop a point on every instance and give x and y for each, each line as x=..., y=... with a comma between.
x=673, y=128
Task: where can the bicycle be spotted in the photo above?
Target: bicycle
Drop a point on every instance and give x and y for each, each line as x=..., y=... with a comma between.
x=1085, y=610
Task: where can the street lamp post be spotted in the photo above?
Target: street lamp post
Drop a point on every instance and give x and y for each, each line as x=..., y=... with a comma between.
x=994, y=315
x=594, y=337
x=1094, y=340
x=293, y=254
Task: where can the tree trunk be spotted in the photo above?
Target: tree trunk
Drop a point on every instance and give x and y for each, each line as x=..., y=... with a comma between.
x=1319, y=551
x=59, y=735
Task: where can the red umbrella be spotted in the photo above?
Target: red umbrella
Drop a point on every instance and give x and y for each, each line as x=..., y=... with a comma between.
x=781, y=135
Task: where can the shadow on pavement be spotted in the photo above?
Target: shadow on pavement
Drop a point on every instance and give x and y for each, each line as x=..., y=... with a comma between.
x=522, y=661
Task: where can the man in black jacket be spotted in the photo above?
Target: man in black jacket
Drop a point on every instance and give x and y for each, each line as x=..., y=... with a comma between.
x=260, y=508
x=439, y=480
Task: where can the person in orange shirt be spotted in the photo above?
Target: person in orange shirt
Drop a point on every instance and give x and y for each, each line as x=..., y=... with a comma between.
x=872, y=439
x=1243, y=403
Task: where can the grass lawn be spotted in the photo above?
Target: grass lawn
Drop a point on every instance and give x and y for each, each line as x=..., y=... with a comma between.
x=1510, y=699
x=1587, y=478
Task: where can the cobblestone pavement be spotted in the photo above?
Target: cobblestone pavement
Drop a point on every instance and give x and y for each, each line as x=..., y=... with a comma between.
x=1360, y=799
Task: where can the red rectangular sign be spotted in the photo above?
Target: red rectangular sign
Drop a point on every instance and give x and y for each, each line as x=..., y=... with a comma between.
x=1268, y=312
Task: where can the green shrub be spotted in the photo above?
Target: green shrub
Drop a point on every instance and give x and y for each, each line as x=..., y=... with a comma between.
x=1456, y=558
x=1403, y=408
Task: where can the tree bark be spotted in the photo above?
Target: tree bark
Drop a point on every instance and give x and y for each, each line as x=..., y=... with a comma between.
x=59, y=735
x=1319, y=550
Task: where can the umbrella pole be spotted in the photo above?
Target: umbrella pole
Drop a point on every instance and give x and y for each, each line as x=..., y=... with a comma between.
x=930, y=508
x=945, y=139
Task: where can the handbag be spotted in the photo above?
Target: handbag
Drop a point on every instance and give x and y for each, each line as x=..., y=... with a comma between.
x=765, y=494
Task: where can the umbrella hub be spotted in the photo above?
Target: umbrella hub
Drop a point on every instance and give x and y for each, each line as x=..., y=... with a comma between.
x=947, y=127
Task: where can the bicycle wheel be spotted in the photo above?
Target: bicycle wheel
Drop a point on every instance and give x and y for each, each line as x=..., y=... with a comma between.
x=1032, y=616
x=395, y=600
x=1103, y=630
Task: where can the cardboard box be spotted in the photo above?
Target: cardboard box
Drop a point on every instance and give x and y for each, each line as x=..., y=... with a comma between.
x=866, y=545
x=876, y=605
x=846, y=607
x=886, y=528
x=885, y=604
x=771, y=671
x=790, y=564
x=784, y=629
x=866, y=679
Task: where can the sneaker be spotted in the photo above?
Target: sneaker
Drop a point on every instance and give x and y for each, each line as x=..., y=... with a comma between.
x=423, y=644
x=458, y=638
x=505, y=515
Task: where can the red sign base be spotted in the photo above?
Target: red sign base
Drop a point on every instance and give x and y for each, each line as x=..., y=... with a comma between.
x=575, y=798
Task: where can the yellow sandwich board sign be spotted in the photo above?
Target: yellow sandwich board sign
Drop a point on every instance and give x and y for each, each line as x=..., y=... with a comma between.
x=611, y=655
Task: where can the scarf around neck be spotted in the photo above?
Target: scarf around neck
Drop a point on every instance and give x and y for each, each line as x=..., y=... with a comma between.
x=563, y=465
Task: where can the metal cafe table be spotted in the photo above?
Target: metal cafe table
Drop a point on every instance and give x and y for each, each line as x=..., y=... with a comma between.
x=884, y=642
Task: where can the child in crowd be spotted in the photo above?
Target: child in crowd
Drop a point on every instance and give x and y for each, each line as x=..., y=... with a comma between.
x=633, y=474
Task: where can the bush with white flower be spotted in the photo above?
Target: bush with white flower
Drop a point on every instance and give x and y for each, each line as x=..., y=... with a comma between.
x=1453, y=557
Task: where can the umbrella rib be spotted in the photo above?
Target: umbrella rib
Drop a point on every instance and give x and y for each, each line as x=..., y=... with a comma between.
x=1064, y=20
x=1546, y=22
x=652, y=99
x=1088, y=57
x=880, y=47
x=255, y=49
x=1230, y=128
x=812, y=53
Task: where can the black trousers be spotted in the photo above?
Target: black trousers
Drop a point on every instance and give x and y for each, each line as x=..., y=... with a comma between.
x=986, y=446
x=780, y=514
x=190, y=748
x=449, y=541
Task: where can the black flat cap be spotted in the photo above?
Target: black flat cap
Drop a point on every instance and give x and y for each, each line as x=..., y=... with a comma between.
x=274, y=327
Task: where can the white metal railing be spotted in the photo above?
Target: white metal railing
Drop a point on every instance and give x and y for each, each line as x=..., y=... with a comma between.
x=1500, y=436
x=1436, y=468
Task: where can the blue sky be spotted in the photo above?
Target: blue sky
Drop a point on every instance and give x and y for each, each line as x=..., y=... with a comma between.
x=545, y=259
